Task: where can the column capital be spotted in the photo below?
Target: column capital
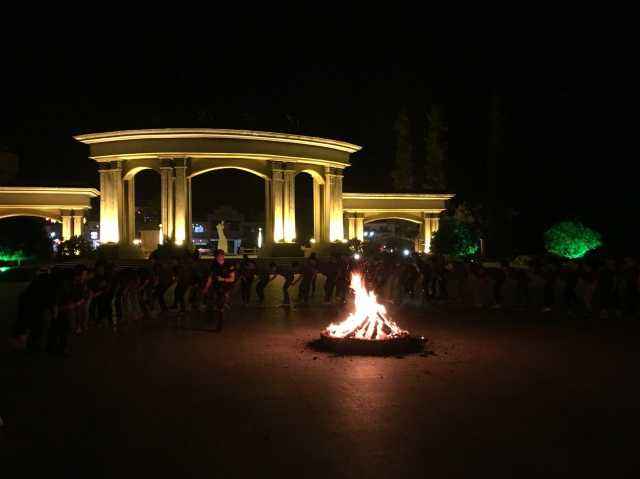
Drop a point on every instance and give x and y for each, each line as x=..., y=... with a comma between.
x=181, y=162
x=166, y=163
x=277, y=166
x=115, y=165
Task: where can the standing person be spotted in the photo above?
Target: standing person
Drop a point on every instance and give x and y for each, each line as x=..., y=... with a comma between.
x=522, y=287
x=499, y=279
x=63, y=319
x=314, y=264
x=331, y=273
x=220, y=283
x=265, y=276
x=589, y=278
x=342, y=279
x=550, y=276
x=630, y=287
x=247, y=274
x=288, y=273
x=607, y=288
x=571, y=278
x=426, y=271
x=308, y=272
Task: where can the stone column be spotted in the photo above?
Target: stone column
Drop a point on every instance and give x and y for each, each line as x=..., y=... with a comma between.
x=166, y=198
x=277, y=187
x=189, y=215
x=130, y=187
x=359, y=226
x=110, y=202
x=428, y=227
x=181, y=206
x=333, y=204
x=268, y=213
x=289, y=205
x=318, y=204
x=78, y=224
x=351, y=230
x=67, y=226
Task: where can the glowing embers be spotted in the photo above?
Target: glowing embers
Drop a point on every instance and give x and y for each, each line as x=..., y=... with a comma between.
x=369, y=329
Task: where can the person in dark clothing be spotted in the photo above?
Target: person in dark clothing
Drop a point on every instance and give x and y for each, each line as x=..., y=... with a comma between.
x=426, y=271
x=607, y=289
x=308, y=274
x=247, y=272
x=550, y=276
x=288, y=274
x=499, y=279
x=571, y=278
x=264, y=277
x=219, y=285
x=342, y=279
x=314, y=264
x=331, y=273
x=522, y=279
x=63, y=320
x=630, y=287
x=408, y=279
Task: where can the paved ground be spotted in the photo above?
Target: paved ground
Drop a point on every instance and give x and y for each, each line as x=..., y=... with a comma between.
x=502, y=396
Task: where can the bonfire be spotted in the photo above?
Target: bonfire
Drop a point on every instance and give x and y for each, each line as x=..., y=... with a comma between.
x=369, y=321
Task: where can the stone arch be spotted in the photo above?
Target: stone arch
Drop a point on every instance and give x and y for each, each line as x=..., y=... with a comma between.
x=131, y=173
x=52, y=215
x=395, y=216
x=228, y=167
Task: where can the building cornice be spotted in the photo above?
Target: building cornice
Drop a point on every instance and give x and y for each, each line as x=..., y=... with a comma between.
x=177, y=133
x=90, y=192
x=398, y=196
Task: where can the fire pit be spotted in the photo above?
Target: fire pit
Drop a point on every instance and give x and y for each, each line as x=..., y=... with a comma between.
x=368, y=330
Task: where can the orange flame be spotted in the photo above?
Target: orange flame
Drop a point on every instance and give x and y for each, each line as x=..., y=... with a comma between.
x=369, y=320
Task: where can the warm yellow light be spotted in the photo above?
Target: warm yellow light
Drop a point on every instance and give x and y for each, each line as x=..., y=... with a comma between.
x=259, y=237
x=137, y=241
x=160, y=235
x=312, y=240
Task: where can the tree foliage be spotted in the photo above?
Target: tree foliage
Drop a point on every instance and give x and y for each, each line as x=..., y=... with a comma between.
x=402, y=173
x=436, y=150
x=454, y=238
x=571, y=239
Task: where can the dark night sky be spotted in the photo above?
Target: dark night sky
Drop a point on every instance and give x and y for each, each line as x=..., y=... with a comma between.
x=550, y=136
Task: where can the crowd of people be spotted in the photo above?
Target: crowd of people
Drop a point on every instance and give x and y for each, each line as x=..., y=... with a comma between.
x=62, y=302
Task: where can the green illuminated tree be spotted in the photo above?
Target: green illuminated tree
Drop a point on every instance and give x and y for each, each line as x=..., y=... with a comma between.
x=402, y=174
x=571, y=239
x=455, y=238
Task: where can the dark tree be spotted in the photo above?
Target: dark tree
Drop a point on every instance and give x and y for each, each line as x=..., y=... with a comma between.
x=402, y=173
x=436, y=150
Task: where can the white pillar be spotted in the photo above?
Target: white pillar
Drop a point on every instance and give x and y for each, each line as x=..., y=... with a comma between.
x=190, y=216
x=333, y=204
x=110, y=204
x=77, y=224
x=317, y=210
x=428, y=227
x=181, y=206
x=277, y=187
x=130, y=187
x=67, y=226
x=268, y=213
x=166, y=198
x=289, y=205
x=360, y=226
x=351, y=230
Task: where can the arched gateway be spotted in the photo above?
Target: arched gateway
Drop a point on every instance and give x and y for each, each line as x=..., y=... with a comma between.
x=66, y=205
x=180, y=154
